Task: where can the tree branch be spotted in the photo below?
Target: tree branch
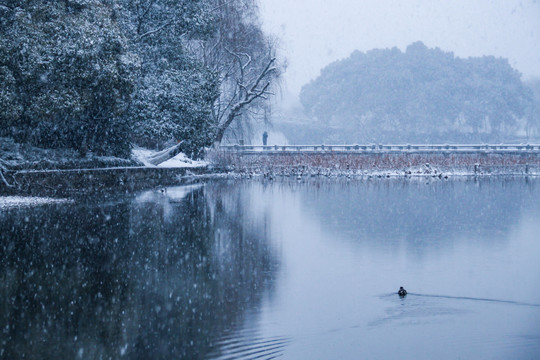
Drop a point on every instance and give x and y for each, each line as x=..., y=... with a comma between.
x=220, y=6
x=265, y=72
x=6, y=6
x=4, y=180
x=240, y=65
x=140, y=17
x=251, y=95
x=164, y=155
x=152, y=32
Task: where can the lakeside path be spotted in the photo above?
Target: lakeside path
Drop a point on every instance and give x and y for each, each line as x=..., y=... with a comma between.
x=376, y=162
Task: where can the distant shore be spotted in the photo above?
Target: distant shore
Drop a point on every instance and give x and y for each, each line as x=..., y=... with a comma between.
x=81, y=181
x=378, y=164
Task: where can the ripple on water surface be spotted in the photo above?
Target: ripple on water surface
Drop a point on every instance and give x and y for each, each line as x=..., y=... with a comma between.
x=249, y=344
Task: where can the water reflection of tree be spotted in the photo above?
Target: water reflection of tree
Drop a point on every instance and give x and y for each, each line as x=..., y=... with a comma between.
x=422, y=213
x=141, y=279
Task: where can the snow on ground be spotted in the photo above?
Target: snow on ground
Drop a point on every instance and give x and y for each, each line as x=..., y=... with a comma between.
x=179, y=161
x=7, y=202
x=142, y=154
x=426, y=171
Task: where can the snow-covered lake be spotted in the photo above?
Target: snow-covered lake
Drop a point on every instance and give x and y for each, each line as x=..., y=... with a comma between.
x=284, y=269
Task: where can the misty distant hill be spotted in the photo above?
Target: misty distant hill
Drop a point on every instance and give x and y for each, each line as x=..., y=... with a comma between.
x=420, y=95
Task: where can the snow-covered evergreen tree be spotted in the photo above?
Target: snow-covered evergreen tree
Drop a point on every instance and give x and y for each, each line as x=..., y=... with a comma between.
x=67, y=75
x=100, y=74
x=174, y=92
x=420, y=95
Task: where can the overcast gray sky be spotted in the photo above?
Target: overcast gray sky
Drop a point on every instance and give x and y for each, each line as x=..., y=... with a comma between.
x=314, y=33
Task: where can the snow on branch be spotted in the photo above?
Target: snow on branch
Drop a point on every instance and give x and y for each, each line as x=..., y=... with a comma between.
x=152, y=32
x=250, y=94
x=4, y=180
x=164, y=155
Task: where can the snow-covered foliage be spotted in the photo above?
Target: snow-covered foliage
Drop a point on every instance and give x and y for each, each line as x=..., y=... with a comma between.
x=20, y=156
x=174, y=105
x=99, y=75
x=420, y=95
x=65, y=84
x=174, y=91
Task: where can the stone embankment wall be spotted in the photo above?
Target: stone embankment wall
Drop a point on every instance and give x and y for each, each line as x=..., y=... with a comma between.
x=474, y=163
x=87, y=181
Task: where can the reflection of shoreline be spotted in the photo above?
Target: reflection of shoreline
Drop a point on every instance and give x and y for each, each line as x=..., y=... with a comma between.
x=173, y=194
x=128, y=277
x=418, y=213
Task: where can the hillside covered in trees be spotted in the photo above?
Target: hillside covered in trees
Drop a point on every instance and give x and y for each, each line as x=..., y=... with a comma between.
x=421, y=95
x=102, y=75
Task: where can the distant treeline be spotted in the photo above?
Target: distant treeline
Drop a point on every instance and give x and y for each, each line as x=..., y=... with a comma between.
x=100, y=75
x=420, y=95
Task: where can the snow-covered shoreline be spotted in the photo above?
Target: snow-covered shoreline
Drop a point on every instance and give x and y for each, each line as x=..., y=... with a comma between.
x=178, y=161
x=180, y=169
x=376, y=165
x=8, y=202
x=305, y=173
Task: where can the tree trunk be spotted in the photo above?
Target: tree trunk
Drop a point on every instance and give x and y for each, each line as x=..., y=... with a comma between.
x=164, y=155
x=219, y=136
x=4, y=180
x=221, y=130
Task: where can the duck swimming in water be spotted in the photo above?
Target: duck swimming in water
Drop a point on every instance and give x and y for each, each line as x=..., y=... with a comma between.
x=402, y=292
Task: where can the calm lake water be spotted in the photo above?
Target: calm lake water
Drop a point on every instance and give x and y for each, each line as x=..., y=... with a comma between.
x=263, y=270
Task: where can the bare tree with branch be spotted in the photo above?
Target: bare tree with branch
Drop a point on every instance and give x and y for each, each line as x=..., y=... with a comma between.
x=2, y=170
x=249, y=89
x=244, y=59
